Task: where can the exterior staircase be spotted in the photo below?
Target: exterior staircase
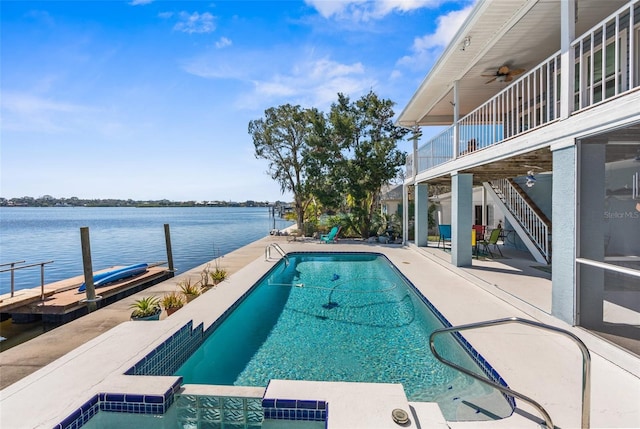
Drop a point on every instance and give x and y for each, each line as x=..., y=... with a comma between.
x=528, y=221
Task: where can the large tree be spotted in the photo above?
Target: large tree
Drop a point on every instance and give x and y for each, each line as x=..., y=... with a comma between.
x=360, y=139
x=281, y=137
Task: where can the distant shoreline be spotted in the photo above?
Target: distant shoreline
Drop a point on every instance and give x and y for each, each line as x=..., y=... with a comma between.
x=64, y=202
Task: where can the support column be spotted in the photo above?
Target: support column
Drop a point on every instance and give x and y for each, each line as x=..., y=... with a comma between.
x=405, y=214
x=567, y=59
x=456, y=118
x=461, y=219
x=563, y=275
x=421, y=218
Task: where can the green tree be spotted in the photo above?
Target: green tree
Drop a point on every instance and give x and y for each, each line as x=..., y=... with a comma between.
x=359, y=142
x=282, y=138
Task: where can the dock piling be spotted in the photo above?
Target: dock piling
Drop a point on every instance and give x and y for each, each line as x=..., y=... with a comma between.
x=88, y=269
x=167, y=240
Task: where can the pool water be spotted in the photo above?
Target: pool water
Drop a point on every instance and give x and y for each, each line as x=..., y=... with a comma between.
x=338, y=317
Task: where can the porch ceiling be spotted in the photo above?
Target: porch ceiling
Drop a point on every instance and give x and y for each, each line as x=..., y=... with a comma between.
x=517, y=33
x=538, y=161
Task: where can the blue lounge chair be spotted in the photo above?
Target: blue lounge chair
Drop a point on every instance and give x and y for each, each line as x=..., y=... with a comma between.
x=331, y=237
x=445, y=235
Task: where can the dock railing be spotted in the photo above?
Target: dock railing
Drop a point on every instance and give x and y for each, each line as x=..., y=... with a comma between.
x=12, y=268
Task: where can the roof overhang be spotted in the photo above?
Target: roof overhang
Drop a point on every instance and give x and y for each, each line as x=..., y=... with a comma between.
x=516, y=33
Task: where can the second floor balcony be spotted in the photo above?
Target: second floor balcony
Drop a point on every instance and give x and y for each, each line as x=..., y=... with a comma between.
x=601, y=66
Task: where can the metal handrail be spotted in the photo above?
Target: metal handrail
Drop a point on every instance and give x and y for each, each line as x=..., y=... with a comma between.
x=267, y=252
x=14, y=268
x=12, y=263
x=586, y=364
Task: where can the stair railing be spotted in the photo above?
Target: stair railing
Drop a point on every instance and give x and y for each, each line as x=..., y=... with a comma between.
x=526, y=215
x=586, y=364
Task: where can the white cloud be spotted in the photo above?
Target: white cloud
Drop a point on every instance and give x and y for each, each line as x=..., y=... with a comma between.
x=223, y=42
x=195, y=23
x=429, y=46
x=328, y=9
x=366, y=10
x=281, y=76
x=140, y=2
x=448, y=26
x=385, y=7
x=30, y=112
x=314, y=83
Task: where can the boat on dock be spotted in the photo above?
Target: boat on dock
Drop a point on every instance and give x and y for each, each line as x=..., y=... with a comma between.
x=111, y=276
x=61, y=301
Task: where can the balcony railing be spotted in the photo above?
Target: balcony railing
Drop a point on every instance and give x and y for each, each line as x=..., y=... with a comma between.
x=532, y=101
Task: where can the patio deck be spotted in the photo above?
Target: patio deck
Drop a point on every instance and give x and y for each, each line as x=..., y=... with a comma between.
x=537, y=363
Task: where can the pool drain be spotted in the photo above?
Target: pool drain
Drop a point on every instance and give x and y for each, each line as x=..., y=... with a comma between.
x=400, y=416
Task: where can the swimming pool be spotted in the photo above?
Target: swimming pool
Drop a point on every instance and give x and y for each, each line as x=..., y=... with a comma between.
x=339, y=317
x=314, y=316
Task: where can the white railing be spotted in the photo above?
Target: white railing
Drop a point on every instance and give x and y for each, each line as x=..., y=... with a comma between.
x=520, y=107
x=607, y=53
x=408, y=166
x=437, y=151
x=529, y=220
x=532, y=100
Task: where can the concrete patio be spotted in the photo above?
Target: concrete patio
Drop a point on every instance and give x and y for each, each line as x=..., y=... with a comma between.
x=52, y=370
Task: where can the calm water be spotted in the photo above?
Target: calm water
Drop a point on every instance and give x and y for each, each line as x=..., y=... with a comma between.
x=122, y=236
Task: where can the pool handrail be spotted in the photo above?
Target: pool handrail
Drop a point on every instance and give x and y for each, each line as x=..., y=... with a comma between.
x=267, y=252
x=586, y=364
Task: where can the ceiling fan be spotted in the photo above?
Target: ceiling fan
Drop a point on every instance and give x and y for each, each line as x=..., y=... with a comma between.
x=503, y=74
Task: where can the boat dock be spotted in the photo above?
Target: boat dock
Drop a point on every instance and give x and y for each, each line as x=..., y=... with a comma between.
x=60, y=302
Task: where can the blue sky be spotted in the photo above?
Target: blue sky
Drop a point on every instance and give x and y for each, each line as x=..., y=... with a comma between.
x=152, y=99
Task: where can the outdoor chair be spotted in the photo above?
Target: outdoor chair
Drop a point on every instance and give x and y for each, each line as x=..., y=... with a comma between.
x=474, y=242
x=445, y=235
x=331, y=237
x=479, y=232
x=492, y=241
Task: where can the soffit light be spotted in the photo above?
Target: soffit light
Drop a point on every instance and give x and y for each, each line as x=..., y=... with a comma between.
x=465, y=43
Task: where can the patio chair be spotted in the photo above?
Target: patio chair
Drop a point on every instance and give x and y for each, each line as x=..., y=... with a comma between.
x=445, y=235
x=492, y=241
x=331, y=237
x=474, y=242
x=479, y=232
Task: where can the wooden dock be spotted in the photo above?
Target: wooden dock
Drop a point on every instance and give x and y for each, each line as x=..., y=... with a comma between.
x=62, y=301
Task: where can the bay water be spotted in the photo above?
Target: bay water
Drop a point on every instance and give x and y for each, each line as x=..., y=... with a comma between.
x=122, y=236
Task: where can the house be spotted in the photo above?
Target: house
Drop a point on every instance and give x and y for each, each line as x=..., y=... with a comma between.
x=391, y=200
x=540, y=101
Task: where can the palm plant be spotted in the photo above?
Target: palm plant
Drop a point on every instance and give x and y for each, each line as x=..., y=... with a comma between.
x=190, y=290
x=172, y=301
x=145, y=307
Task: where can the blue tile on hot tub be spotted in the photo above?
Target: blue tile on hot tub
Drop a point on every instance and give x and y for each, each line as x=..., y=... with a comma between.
x=114, y=397
x=89, y=404
x=134, y=398
x=268, y=403
x=285, y=403
x=153, y=399
x=308, y=405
